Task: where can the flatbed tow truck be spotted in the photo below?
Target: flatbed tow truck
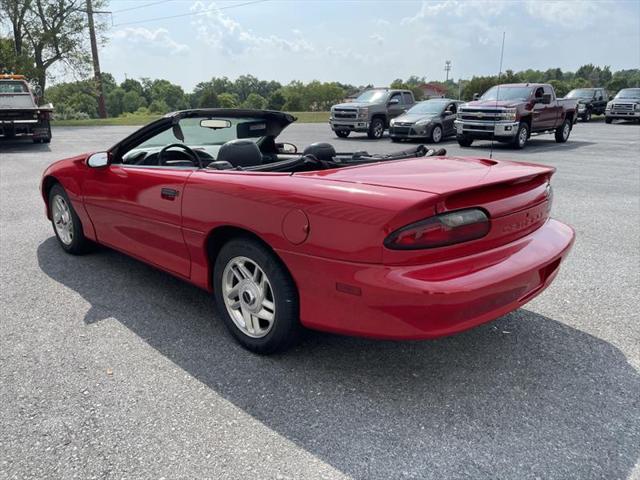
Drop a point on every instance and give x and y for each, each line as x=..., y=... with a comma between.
x=20, y=114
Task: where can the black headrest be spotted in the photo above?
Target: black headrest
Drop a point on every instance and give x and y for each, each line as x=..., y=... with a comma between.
x=322, y=151
x=240, y=153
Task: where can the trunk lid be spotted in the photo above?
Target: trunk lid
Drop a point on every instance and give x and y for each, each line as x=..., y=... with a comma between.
x=516, y=196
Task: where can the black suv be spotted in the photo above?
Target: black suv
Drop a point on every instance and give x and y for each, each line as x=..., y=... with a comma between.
x=591, y=101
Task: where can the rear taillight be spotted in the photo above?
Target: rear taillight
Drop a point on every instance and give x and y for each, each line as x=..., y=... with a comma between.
x=441, y=230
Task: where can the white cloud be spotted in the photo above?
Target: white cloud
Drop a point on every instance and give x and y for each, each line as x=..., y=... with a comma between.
x=577, y=14
x=376, y=37
x=459, y=8
x=159, y=40
x=224, y=33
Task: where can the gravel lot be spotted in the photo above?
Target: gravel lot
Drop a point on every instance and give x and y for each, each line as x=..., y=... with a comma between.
x=111, y=369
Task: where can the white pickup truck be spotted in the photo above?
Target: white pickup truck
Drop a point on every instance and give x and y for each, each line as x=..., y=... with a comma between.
x=20, y=115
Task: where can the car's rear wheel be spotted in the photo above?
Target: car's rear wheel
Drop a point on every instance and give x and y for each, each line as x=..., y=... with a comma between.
x=522, y=136
x=66, y=223
x=586, y=117
x=563, y=131
x=608, y=120
x=343, y=133
x=376, y=128
x=256, y=296
x=436, y=134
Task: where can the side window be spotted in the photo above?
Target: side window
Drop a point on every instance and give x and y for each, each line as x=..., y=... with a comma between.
x=599, y=94
x=396, y=96
x=547, y=89
x=407, y=98
x=539, y=92
x=452, y=107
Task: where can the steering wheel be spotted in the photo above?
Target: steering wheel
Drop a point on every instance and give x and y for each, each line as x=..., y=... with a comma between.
x=193, y=156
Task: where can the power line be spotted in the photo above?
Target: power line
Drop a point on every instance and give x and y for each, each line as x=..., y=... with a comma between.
x=141, y=6
x=189, y=14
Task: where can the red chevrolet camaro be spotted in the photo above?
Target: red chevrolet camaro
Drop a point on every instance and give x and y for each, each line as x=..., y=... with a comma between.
x=404, y=246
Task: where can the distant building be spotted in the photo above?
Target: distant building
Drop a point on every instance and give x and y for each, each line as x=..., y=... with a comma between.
x=432, y=90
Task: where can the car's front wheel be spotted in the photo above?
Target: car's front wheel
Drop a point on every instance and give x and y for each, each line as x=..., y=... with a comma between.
x=522, y=136
x=608, y=120
x=563, y=131
x=256, y=296
x=376, y=128
x=464, y=141
x=343, y=133
x=587, y=116
x=66, y=223
x=436, y=134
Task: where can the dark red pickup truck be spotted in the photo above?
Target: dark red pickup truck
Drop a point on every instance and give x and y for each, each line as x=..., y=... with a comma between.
x=511, y=113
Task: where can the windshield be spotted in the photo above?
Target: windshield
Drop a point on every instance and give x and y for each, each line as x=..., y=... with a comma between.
x=372, y=96
x=580, y=93
x=630, y=93
x=507, y=93
x=430, y=106
x=13, y=87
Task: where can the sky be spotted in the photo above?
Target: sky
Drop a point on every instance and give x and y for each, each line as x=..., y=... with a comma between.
x=363, y=42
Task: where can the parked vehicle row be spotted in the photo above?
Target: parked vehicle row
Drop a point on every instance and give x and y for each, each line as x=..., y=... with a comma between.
x=509, y=113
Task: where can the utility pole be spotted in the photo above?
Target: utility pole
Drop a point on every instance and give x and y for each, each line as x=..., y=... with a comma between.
x=102, y=111
x=447, y=68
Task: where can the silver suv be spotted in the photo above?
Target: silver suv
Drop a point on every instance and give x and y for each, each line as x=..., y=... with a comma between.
x=371, y=112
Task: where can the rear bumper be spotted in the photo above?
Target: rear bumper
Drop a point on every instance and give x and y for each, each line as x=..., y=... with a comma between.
x=432, y=300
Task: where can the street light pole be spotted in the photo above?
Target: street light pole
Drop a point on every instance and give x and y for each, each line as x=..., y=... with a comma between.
x=102, y=110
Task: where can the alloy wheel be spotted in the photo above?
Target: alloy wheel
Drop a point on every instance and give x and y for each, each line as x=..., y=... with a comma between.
x=248, y=297
x=62, y=221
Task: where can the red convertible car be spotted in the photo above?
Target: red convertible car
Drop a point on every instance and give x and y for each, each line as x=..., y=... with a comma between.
x=404, y=246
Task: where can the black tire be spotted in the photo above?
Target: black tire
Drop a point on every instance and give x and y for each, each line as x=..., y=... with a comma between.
x=522, y=136
x=608, y=120
x=79, y=243
x=435, y=137
x=395, y=139
x=285, y=329
x=586, y=117
x=343, y=133
x=376, y=128
x=563, y=131
x=464, y=141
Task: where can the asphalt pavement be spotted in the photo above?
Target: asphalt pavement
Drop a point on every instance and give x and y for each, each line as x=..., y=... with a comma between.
x=112, y=369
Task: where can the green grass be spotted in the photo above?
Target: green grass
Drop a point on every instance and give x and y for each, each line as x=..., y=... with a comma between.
x=303, y=117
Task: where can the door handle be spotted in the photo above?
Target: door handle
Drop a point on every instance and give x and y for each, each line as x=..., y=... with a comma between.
x=168, y=193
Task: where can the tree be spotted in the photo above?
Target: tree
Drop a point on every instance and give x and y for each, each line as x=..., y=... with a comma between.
x=294, y=102
x=276, y=100
x=130, y=85
x=54, y=31
x=254, y=100
x=132, y=101
x=228, y=100
x=16, y=13
x=114, y=101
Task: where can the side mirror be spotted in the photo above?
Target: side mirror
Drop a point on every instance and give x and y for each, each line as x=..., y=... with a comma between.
x=546, y=98
x=286, y=148
x=447, y=113
x=394, y=101
x=98, y=160
x=476, y=96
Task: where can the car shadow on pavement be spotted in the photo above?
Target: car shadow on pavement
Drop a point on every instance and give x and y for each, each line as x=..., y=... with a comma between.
x=534, y=145
x=523, y=397
x=21, y=145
